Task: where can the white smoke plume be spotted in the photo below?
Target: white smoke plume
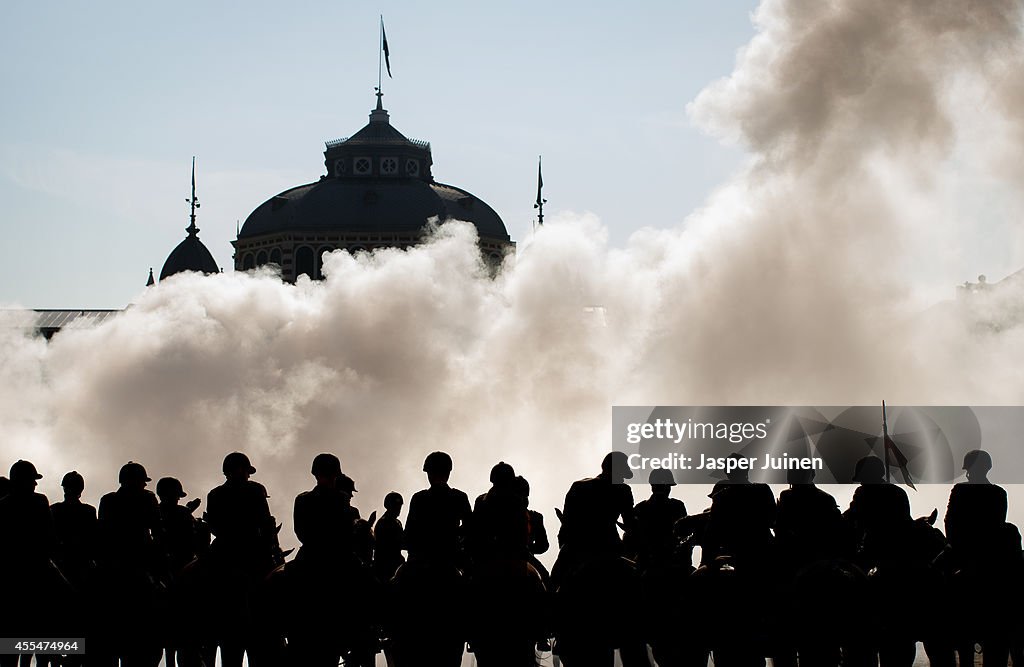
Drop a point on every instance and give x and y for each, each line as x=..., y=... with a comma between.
x=797, y=283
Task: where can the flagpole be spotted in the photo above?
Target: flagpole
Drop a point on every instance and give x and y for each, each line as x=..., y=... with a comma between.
x=885, y=446
x=380, y=52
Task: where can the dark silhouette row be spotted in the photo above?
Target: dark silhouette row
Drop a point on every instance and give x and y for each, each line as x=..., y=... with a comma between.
x=794, y=579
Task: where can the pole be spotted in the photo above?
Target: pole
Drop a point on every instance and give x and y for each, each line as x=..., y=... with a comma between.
x=885, y=445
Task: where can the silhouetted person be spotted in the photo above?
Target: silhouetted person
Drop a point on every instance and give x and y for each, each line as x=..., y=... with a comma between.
x=323, y=523
x=182, y=538
x=654, y=541
x=591, y=555
x=592, y=508
x=239, y=517
x=389, y=538
x=347, y=486
x=77, y=530
x=5, y=486
x=182, y=542
x=29, y=542
x=741, y=518
x=812, y=538
x=809, y=526
x=436, y=530
x=976, y=513
x=500, y=519
x=323, y=517
x=439, y=516
x=879, y=514
x=538, y=533
x=243, y=551
x=894, y=550
x=129, y=521
x=77, y=533
x=25, y=521
x=987, y=560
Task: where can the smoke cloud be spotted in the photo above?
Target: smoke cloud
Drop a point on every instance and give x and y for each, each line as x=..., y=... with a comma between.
x=799, y=282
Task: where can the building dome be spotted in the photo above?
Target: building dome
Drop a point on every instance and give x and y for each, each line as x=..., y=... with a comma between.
x=378, y=192
x=189, y=255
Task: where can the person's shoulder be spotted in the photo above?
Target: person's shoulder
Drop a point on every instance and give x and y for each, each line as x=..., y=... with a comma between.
x=895, y=490
x=583, y=484
x=256, y=489
x=824, y=497
x=991, y=489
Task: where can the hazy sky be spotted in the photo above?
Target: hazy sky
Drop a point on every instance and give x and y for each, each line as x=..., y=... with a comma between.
x=105, y=104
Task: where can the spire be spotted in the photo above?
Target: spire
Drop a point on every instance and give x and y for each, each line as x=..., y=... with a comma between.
x=380, y=114
x=539, y=205
x=194, y=202
x=150, y=282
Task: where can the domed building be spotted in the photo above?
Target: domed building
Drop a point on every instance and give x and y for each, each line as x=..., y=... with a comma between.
x=190, y=254
x=379, y=191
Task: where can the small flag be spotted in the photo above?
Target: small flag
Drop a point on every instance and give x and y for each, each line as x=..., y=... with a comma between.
x=894, y=457
x=384, y=45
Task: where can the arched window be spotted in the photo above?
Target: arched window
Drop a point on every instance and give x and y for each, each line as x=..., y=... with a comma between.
x=304, y=262
x=248, y=262
x=261, y=258
x=275, y=256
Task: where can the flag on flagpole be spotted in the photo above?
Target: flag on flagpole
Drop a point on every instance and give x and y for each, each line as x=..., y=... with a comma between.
x=894, y=457
x=384, y=45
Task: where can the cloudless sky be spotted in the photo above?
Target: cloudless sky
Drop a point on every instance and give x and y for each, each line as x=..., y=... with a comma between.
x=105, y=103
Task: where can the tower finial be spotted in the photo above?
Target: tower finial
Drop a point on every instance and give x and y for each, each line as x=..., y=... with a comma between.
x=193, y=202
x=150, y=282
x=539, y=205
